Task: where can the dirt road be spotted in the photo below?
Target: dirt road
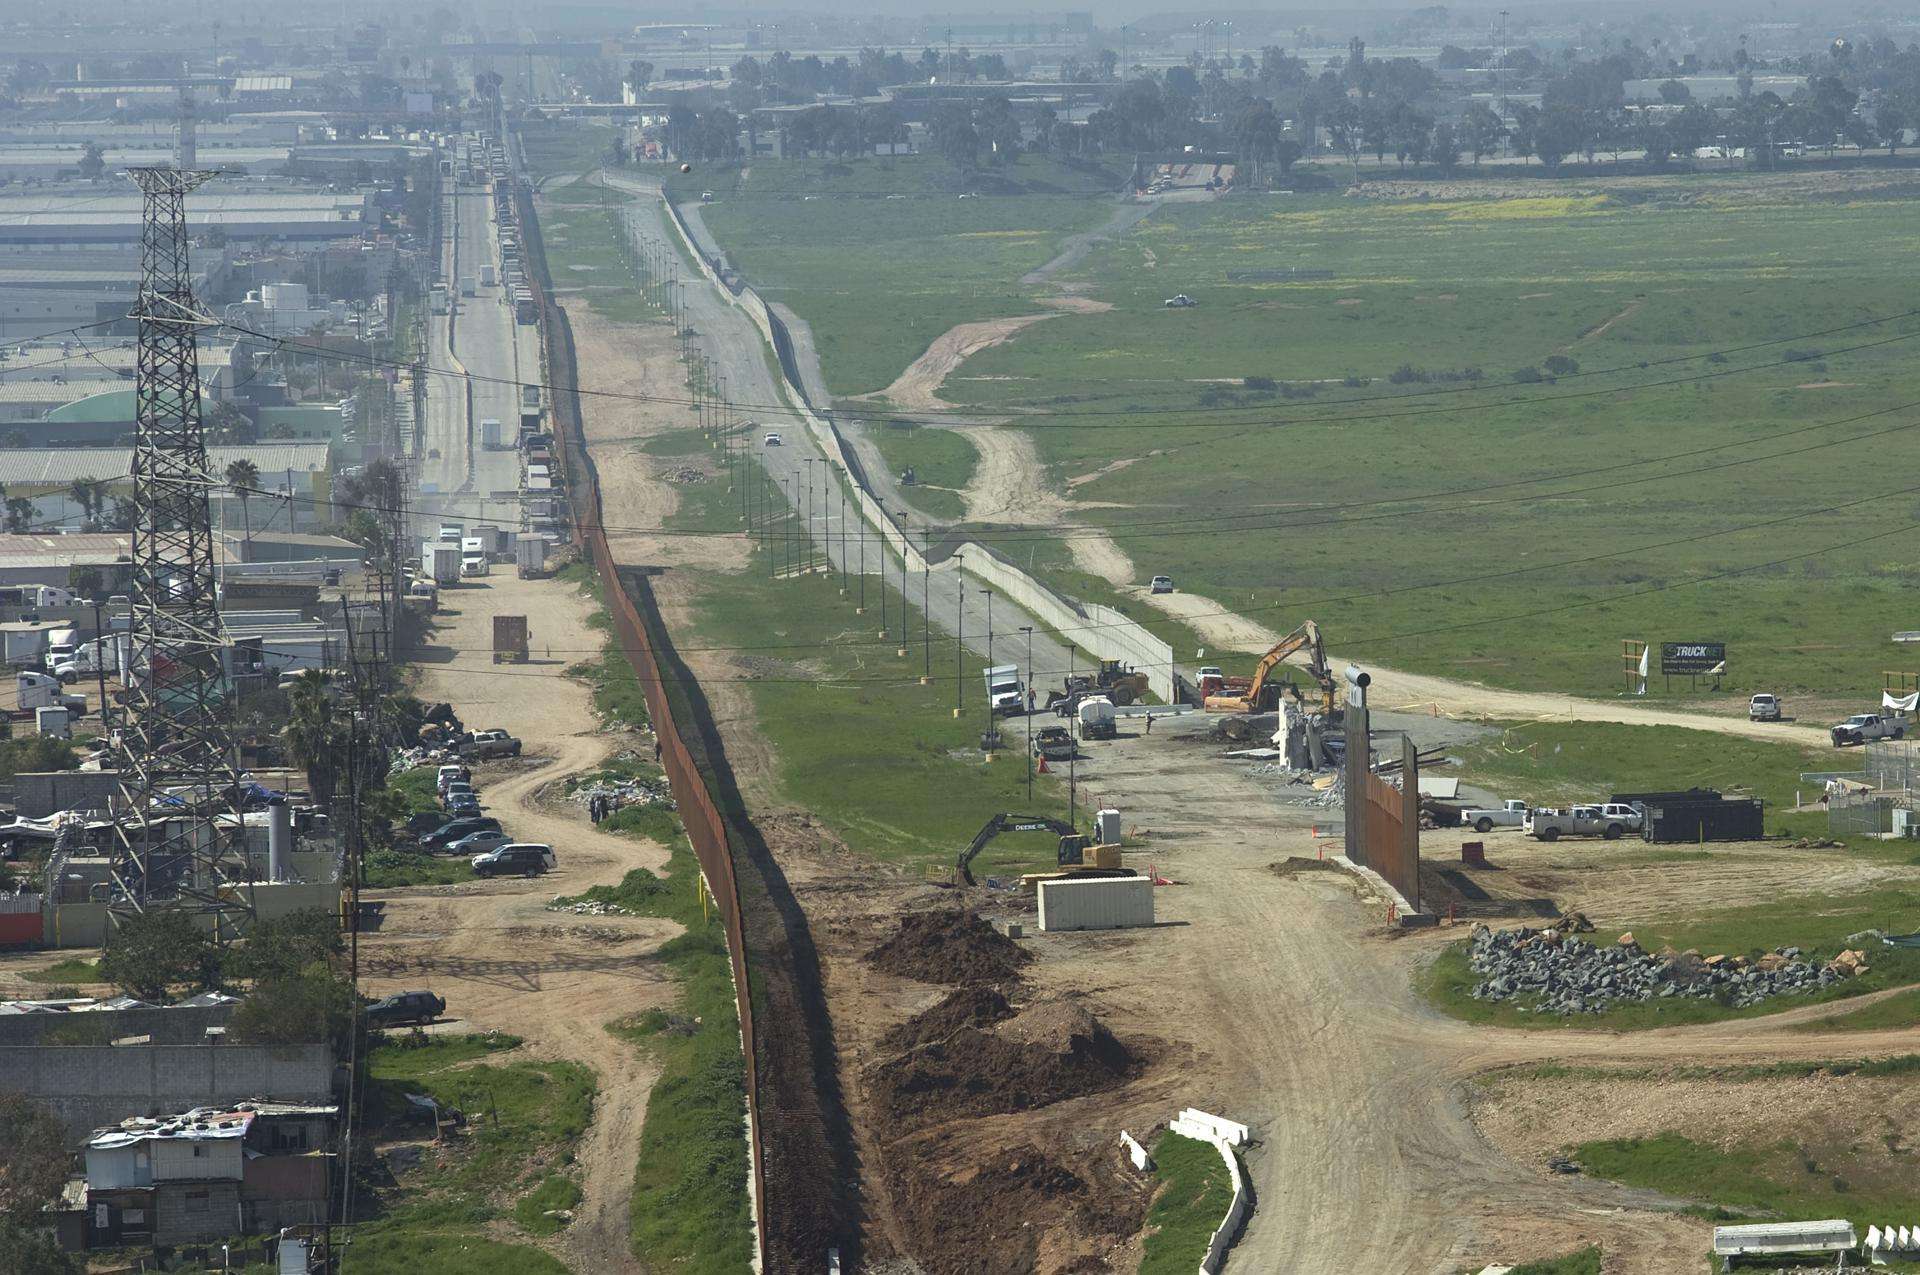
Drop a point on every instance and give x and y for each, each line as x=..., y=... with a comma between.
x=1307, y=1026
x=1398, y=689
x=502, y=961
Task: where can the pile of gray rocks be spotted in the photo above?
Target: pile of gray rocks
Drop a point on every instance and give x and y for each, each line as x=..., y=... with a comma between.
x=1559, y=973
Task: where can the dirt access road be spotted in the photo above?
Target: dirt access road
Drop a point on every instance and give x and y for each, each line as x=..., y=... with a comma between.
x=1307, y=1025
x=502, y=961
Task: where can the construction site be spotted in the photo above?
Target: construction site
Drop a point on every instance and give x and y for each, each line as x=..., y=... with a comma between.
x=630, y=821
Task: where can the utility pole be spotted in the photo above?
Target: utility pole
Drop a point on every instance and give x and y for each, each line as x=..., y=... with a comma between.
x=1028, y=630
x=926, y=602
x=809, y=463
x=172, y=737
x=884, y=634
x=960, y=641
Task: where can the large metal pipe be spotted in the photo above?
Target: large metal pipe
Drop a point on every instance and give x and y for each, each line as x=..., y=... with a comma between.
x=279, y=839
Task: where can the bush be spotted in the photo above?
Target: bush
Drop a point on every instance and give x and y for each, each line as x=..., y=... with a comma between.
x=34, y=753
x=1560, y=365
x=1406, y=374
x=149, y=954
x=284, y=946
x=1265, y=384
x=301, y=1009
x=1528, y=376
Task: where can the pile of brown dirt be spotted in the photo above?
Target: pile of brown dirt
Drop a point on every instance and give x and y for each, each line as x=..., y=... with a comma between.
x=979, y=1005
x=949, y=946
x=996, y=1217
x=1050, y=1052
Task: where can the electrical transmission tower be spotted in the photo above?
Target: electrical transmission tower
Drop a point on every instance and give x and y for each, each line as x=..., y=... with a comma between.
x=181, y=835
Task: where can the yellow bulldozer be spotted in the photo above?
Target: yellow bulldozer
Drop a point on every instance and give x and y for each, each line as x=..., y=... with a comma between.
x=1261, y=692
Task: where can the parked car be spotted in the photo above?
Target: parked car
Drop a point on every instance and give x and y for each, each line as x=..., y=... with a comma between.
x=1862, y=727
x=451, y=774
x=1161, y=584
x=1509, y=814
x=773, y=438
x=459, y=787
x=454, y=829
x=1763, y=708
x=463, y=803
x=514, y=859
x=1181, y=302
x=477, y=843
x=404, y=1008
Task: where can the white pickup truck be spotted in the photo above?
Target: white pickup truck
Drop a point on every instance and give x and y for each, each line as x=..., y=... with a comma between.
x=1610, y=821
x=1509, y=814
x=1862, y=727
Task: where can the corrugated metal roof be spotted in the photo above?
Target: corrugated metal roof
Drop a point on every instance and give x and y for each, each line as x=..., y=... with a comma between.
x=202, y=1124
x=58, y=391
x=41, y=466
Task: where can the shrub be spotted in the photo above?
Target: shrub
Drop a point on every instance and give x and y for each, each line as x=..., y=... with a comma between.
x=1560, y=365
x=1528, y=376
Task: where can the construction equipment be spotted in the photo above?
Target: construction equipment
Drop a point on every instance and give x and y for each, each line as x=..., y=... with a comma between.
x=1261, y=693
x=1121, y=686
x=1071, y=842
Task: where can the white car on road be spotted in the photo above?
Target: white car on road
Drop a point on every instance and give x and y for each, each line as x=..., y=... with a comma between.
x=773, y=439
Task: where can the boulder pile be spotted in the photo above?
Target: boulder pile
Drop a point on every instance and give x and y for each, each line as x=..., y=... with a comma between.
x=1565, y=975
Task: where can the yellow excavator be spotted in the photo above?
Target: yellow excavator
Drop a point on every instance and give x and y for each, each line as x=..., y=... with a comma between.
x=1261, y=693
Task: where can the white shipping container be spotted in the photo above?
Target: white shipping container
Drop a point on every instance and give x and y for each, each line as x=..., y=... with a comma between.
x=1096, y=903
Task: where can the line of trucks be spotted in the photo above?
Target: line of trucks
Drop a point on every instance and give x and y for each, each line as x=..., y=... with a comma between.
x=1611, y=820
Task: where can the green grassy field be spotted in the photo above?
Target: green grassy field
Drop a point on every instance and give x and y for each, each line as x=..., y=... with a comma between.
x=867, y=177
x=942, y=461
x=877, y=280
x=1584, y=1262
x=523, y=1118
x=1387, y=473
x=1549, y=763
x=1193, y=1196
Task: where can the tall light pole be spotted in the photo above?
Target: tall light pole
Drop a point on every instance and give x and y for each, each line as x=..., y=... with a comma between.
x=903, y=588
x=862, y=608
x=987, y=733
x=1028, y=630
x=959, y=640
x=809, y=546
x=882, y=506
x=926, y=603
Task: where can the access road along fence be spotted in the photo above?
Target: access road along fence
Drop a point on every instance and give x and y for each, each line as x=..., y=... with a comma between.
x=1102, y=631
x=802, y=1164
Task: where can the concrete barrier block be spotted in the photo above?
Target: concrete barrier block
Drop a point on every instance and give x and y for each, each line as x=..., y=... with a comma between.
x=1135, y=1152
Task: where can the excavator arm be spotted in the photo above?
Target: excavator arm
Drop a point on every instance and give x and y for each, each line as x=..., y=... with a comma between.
x=963, y=867
x=1305, y=638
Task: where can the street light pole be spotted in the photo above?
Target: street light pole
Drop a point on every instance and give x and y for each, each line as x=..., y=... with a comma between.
x=809, y=544
x=884, y=623
x=959, y=641
x=926, y=603
x=1028, y=630
x=987, y=732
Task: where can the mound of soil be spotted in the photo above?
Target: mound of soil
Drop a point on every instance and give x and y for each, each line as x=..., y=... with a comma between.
x=993, y=1218
x=1050, y=1052
x=977, y=1006
x=949, y=946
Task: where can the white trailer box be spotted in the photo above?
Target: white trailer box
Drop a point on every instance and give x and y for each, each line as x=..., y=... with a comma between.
x=52, y=723
x=1096, y=903
x=530, y=556
x=440, y=562
x=487, y=276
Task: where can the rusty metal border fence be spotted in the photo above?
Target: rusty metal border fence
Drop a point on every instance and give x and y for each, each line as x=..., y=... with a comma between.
x=705, y=827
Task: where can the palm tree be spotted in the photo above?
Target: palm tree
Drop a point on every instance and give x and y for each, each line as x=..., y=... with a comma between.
x=243, y=479
x=91, y=495
x=315, y=734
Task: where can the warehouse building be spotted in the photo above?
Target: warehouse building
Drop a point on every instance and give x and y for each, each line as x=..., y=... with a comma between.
x=275, y=213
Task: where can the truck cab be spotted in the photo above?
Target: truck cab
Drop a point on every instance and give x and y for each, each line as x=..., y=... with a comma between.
x=1006, y=694
x=1862, y=727
x=1508, y=814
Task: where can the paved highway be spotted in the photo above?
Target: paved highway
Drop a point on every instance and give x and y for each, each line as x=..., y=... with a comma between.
x=459, y=477
x=734, y=345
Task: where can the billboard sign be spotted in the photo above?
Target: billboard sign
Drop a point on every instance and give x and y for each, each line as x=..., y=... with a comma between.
x=1691, y=657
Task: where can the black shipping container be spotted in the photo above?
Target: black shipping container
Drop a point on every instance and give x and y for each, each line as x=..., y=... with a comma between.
x=1740, y=819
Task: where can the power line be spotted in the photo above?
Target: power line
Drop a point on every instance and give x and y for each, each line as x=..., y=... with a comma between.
x=1135, y=418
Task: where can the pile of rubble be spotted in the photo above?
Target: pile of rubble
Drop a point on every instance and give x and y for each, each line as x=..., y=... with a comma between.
x=685, y=474
x=586, y=907
x=1566, y=975
x=624, y=792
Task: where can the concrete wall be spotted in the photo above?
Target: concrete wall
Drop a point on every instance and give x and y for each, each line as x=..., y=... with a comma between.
x=85, y=924
x=1106, y=633
x=37, y=794
x=1222, y=1134
x=88, y=1086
